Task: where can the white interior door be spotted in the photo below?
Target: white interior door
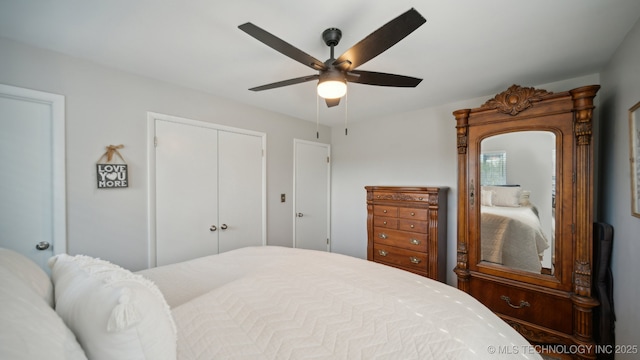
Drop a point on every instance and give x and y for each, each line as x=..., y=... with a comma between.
x=186, y=191
x=32, y=190
x=241, y=202
x=311, y=195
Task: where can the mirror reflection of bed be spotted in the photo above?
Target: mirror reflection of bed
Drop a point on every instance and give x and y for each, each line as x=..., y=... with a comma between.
x=517, y=188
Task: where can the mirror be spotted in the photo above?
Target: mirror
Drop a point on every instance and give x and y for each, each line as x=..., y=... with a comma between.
x=517, y=191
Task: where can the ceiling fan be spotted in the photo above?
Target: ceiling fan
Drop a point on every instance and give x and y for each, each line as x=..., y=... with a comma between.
x=334, y=74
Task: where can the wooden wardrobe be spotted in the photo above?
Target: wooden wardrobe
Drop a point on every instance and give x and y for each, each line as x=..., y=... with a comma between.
x=525, y=211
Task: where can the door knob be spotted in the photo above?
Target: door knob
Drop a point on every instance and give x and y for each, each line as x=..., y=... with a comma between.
x=299, y=214
x=42, y=245
x=213, y=228
x=223, y=226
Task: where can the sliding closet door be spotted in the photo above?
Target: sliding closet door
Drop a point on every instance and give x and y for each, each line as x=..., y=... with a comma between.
x=240, y=183
x=186, y=178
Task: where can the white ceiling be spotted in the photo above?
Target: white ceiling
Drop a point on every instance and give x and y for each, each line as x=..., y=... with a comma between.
x=467, y=48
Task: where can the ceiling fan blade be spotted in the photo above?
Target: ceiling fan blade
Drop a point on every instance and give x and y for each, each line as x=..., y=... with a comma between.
x=282, y=46
x=380, y=40
x=286, y=82
x=332, y=102
x=382, y=79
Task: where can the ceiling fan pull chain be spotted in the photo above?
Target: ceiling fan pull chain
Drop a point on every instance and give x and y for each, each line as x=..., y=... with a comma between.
x=346, y=113
x=317, y=116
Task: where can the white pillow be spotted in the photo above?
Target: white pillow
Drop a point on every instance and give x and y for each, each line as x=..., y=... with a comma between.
x=114, y=313
x=29, y=272
x=525, y=198
x=506, y=195
x=486, y=197
x=30, y=328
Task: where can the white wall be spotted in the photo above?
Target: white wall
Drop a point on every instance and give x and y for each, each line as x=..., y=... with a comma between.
x=620, y=91
x=106, y=106
x=415, y=148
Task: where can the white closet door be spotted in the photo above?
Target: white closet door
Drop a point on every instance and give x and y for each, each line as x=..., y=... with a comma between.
x=240, y=184
x=186, y=192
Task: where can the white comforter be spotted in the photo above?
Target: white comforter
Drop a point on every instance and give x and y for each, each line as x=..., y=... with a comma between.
x=512, y=236
x=282, y=303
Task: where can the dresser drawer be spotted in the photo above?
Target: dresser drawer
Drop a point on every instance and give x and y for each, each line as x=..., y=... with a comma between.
x=385, y=222
x=402, y=239
x=387, y=211
x=415, y=226
x=414, y=214
x=411, y=260
x=400, y=196
x=532, y=306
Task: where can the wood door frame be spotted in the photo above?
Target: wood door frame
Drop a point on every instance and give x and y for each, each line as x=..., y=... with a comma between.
x=59, y=187
x=151, y=171
x=328, y=147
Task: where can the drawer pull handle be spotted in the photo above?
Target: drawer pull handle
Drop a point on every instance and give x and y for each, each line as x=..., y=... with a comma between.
x=414, y=260
x=414, y=241
x=413, y=214
x=383, y=253
x=384, y=222
x=384, y=211
x=412, y=226
x=382, y=236
x=508, y=301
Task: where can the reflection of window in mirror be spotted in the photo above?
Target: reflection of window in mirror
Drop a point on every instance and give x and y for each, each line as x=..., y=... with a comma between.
x=493, y=167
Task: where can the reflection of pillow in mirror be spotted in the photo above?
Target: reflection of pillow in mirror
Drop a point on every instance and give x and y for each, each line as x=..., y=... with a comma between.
x=487, y=197
x=524, y=198
x=506, y=196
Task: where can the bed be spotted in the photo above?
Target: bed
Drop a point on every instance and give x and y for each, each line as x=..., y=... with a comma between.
x=510, y=230
x=251, y=303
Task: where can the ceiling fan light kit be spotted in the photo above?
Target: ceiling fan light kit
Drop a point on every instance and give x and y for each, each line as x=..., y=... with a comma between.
x=334, y=74
x=332, y=85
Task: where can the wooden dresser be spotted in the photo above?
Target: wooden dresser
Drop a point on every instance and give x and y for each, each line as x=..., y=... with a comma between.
x=407, y=228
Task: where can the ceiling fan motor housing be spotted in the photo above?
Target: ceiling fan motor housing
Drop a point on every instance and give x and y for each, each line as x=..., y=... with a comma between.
x=332, y=36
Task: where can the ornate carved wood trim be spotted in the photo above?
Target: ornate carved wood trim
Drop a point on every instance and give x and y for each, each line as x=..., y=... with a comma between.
x=396, y=197
x=462, y=118
x=582, y=278
x=515, y=99
x=536, y=335
x=463, y=258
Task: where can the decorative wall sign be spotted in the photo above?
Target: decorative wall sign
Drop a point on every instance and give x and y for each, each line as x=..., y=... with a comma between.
x=634, y=157
x=112, y=175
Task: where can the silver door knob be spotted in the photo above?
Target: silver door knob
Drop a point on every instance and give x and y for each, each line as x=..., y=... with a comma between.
x=299, y=214
x=42, y=245
x=223, y=226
